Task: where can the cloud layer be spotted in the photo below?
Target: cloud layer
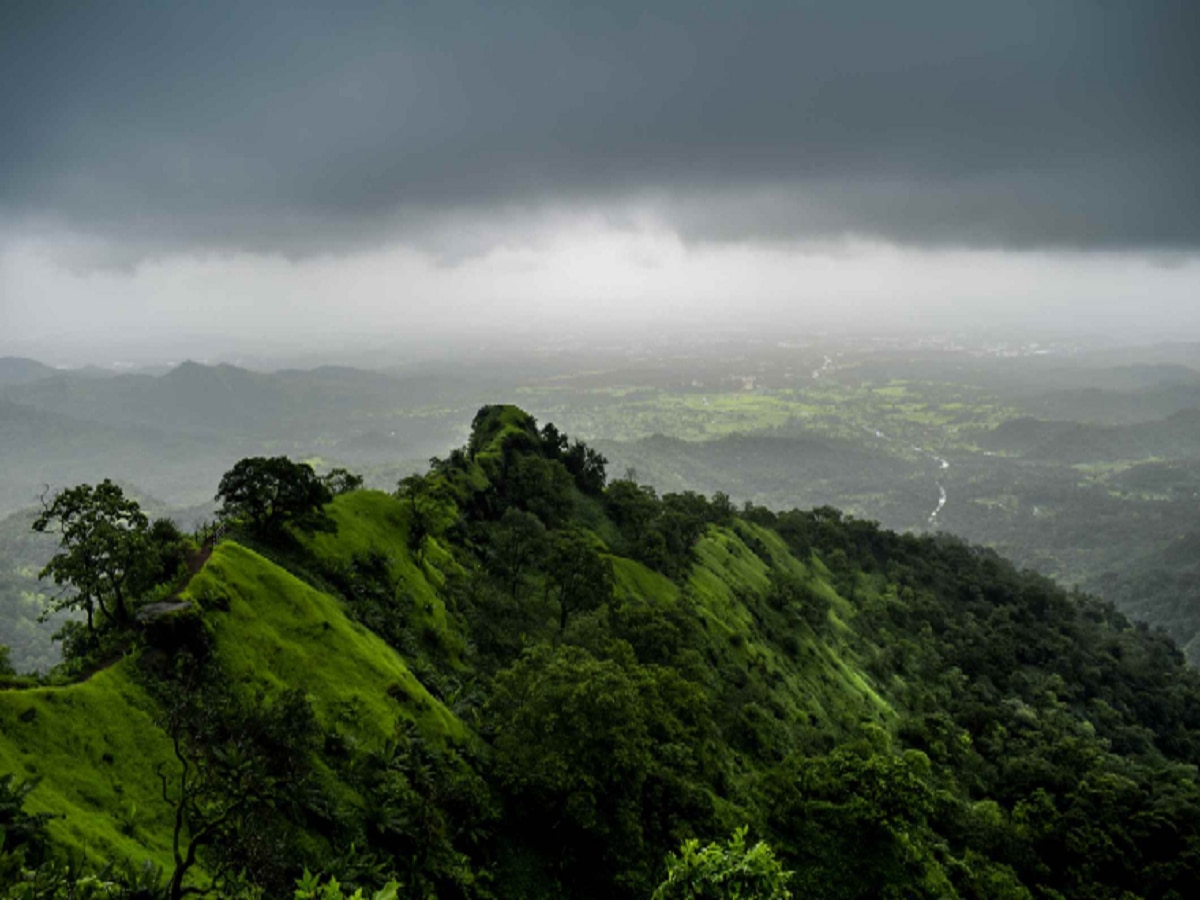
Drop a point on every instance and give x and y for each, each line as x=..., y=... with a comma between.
x=312, y=128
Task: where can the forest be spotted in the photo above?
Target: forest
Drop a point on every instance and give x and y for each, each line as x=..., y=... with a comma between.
x=516, y=675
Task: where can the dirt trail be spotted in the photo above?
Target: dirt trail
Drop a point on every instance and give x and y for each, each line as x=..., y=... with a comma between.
x=195, y=562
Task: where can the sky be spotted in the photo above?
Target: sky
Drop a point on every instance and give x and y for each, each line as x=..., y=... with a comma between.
x=196, y=177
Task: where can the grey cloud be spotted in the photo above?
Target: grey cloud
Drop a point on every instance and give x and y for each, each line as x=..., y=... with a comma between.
x=307, y=127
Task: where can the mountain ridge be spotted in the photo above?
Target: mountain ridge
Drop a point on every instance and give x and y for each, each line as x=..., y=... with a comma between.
x=891, y=712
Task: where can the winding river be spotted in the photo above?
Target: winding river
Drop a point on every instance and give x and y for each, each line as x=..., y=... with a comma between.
x=942, y=464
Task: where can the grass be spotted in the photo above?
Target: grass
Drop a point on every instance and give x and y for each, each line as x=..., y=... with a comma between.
x=824, y=680
x=96, y=747
x=279, y=633
x=376, y=522
x=632, y=580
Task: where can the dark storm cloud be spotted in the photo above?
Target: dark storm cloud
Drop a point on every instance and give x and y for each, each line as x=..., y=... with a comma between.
x=307, y=127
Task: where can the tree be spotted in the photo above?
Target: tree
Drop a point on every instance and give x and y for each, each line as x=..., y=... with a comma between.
x=634, y=508
x=602, y=760
x=554, y=442
x=517, y=542
x=587, y=467
x=540, y=486
x=724, y=872
x=577, y=577
x=787, y=591
x=572, y=739
x=107, y=553
x=430, y=511
x=239, y=768
x=269, y=493
x=341, y=481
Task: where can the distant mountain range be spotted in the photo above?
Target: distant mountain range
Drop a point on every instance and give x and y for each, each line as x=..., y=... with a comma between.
x=172, y=433
x=779, y=469
x=39, y=448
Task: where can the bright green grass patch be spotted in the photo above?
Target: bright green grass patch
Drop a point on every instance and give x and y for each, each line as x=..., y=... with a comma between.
x=96, y=747
x=376, y=522
x=279, y=633
x=725, y=565
x=780, y=556
x=823, y=680
x=634, y=581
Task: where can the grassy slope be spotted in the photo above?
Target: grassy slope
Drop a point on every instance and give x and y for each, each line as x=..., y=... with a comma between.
x=279, y=633
x=373, y=521
x=96, y=744
x=823, y=679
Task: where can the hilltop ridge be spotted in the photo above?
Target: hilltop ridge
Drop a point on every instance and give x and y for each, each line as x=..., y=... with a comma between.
x=514, y=677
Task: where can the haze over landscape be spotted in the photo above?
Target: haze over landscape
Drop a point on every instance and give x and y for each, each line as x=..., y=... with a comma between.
x=875, y=329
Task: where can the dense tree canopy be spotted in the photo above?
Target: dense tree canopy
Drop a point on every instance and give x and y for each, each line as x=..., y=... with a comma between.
x=268, y=493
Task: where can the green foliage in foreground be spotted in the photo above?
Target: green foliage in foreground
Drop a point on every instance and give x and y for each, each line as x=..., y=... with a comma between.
x=93, y=749
x=311, y=887
x=724, y=872
x=549, y=687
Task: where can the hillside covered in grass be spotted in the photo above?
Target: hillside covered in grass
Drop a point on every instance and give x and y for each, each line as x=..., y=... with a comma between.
x=516, y=678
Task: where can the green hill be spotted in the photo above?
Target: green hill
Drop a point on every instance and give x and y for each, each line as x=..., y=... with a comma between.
x=514, y=678
x=1164, y=586
x=96, y=746
x=229, y=403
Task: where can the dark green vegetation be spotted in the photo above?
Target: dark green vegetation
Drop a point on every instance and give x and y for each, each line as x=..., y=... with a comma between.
x=512, y=678
x=270, y=494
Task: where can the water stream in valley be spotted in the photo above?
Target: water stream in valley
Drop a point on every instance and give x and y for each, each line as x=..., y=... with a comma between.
x=942, y=464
